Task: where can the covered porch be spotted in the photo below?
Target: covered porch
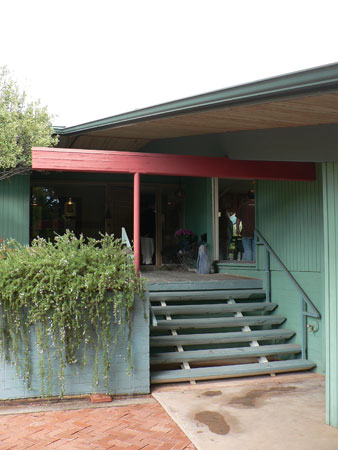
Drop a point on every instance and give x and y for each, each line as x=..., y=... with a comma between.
x=112, y=162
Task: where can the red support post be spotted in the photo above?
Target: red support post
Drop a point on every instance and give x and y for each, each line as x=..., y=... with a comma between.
x=137, y=222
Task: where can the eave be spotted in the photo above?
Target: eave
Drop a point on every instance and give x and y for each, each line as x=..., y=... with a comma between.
x=313, y=90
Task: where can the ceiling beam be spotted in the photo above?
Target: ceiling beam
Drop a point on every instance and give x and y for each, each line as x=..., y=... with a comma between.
x=105, y=161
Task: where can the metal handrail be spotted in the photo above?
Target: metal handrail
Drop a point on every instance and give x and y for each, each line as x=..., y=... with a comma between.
x=316, y=314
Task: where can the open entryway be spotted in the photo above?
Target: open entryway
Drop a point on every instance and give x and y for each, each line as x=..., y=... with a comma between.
x=234, y=209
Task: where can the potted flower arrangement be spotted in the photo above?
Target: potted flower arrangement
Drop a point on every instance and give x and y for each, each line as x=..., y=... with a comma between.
x=185, y=238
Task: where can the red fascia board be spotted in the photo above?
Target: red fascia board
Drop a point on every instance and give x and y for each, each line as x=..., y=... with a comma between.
x=102, y=161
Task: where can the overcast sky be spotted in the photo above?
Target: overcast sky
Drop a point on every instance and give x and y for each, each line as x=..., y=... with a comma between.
x=87, y=60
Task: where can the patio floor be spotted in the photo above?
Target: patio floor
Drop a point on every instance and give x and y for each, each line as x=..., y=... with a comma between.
x=260, y=413
x=144, y=425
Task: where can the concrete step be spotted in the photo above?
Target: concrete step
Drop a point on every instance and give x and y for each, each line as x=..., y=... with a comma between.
x=224, y=354
x=221, y=322
x=238, y=370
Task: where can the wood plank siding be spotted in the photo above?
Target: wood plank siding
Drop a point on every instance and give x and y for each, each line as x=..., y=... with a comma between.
x=330, y=194
x=289, y=215
x=14, y=207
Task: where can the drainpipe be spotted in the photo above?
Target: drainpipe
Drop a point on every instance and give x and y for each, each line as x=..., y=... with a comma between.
x=137, y=222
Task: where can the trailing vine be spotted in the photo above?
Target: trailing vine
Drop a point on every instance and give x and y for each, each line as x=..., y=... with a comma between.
x=75, y=294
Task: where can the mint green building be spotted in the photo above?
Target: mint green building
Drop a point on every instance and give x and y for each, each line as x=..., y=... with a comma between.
x=292, y=118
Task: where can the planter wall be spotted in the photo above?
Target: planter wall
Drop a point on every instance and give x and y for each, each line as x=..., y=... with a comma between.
x=78, y=380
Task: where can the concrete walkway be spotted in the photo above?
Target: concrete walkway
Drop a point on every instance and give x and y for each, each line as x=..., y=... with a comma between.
x=260, y=413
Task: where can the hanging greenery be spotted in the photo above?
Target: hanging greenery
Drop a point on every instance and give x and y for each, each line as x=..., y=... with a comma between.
x=75, y=294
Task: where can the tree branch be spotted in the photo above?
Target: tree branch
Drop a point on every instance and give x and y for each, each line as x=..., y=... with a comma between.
x=16, y=171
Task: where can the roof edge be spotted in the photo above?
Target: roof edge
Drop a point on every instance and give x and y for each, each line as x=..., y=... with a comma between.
x=318, y=79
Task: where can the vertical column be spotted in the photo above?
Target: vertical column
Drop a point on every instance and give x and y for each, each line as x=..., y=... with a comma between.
x=215, y=218
x=330, y=212
x=137, y=221
x=158, y=232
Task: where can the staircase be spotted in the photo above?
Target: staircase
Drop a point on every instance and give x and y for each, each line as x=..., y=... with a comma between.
x=216, y=330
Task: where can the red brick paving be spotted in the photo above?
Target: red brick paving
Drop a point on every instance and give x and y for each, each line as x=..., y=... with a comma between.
x=134, y=427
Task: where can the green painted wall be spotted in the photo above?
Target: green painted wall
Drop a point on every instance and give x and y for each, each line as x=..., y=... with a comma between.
x=278, y=144
x=198, y=207
x=289, y=215
x=330, y=196
x=14, y=207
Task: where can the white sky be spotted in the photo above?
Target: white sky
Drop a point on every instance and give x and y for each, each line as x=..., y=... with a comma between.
x=87, y=60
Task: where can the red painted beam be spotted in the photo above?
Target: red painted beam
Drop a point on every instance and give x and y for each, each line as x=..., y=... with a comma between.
x=77, y=160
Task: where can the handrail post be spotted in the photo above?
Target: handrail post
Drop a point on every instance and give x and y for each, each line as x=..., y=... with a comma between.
x=304, y=328
x=267, y=276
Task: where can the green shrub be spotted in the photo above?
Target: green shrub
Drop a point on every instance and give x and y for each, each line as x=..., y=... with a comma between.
x=60, y=290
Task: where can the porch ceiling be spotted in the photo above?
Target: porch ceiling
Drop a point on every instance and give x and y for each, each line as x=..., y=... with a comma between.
x=292, y=112
x=299, y=99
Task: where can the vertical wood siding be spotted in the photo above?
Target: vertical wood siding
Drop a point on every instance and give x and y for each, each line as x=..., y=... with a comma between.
x=289, y=215
x=330, y=195
x=14, y=208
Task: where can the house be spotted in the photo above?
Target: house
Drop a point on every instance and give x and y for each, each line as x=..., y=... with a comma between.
x=280, y=134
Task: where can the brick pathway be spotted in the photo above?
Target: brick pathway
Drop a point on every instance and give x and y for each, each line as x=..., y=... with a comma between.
x=134, y=427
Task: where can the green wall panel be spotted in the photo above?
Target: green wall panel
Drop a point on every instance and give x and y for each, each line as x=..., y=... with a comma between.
x=14, y=207
x=330, y=196
x=198, y=207
x=289, y=215
x=289, y=305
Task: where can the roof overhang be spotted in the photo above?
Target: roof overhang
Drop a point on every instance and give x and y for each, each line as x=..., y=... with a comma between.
x=100, y=161
x=298, y=99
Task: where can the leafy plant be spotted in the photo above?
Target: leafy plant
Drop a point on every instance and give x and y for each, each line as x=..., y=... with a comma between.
x=23, y=125
x=60, y=289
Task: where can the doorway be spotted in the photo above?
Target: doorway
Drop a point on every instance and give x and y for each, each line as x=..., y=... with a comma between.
x=231, y=195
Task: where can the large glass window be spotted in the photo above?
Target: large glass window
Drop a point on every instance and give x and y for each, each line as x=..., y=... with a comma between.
x=58, y=207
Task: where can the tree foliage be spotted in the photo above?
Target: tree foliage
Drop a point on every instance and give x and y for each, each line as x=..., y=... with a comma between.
x=23, y=125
